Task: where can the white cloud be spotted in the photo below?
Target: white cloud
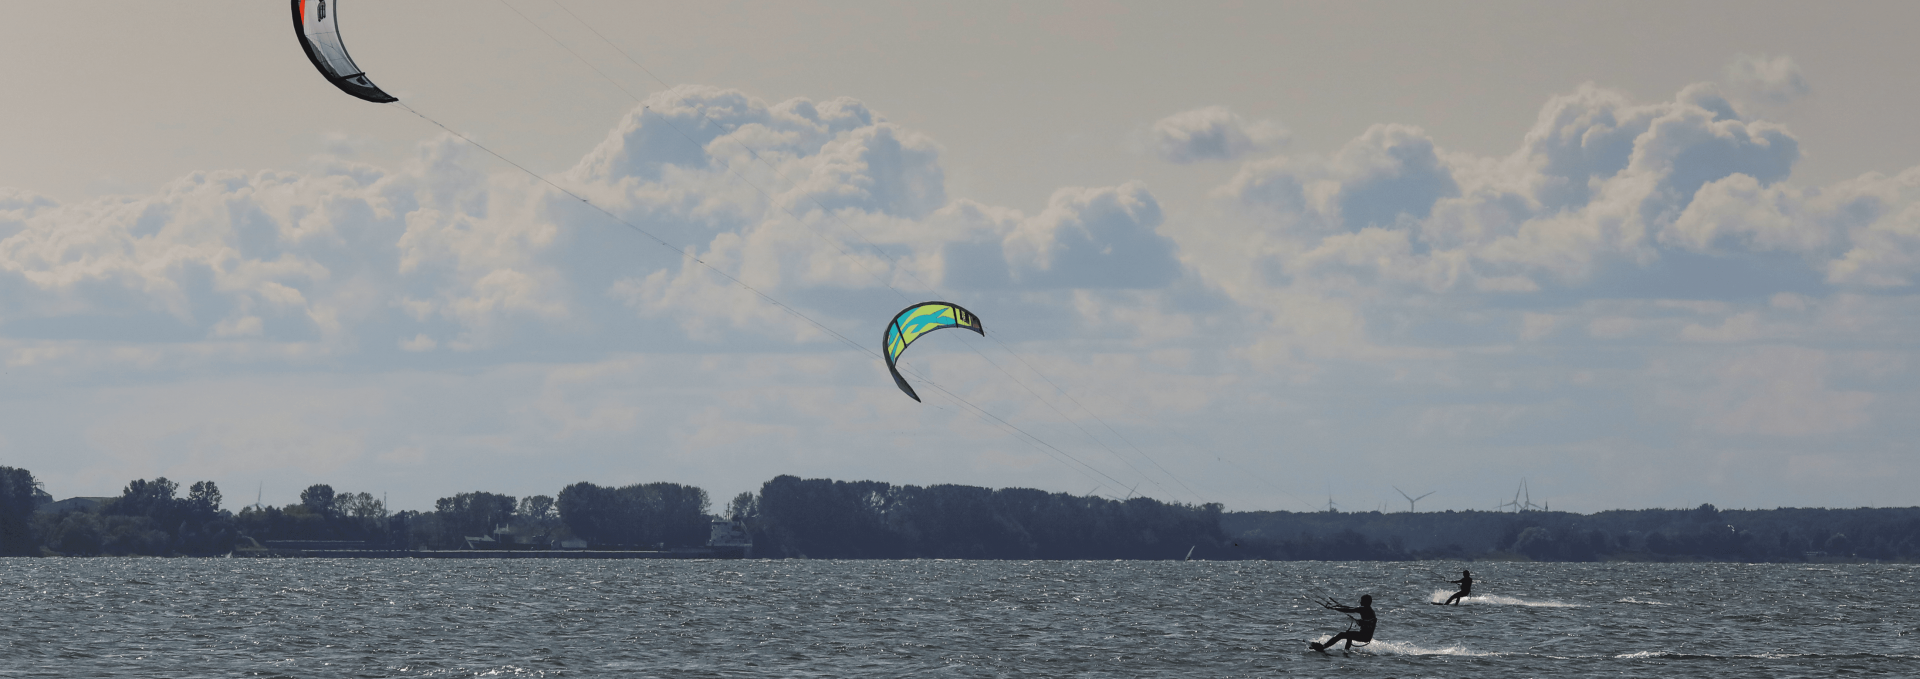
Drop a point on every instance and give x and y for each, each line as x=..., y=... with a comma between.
x=451, y=253
x=1599, y=184
x=1093, y=238
x=1769, y=391
x=1212, y=133
x=1771, y=80
x=1881, y=216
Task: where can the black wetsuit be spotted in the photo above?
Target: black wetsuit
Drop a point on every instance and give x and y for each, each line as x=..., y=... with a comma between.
x=1362, y=635
x=1466, y=587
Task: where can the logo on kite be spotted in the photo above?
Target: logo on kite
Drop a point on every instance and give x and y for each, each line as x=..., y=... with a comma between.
x=917, y=320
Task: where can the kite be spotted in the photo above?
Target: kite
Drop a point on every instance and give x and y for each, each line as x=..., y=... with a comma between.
x=920, y=319
x=318, y=27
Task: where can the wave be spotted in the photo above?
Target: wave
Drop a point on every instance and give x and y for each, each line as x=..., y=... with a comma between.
x=1384, y=647
x=1380, y=647
x=1441, y=595
x=1671, y=655
x=1631, y=600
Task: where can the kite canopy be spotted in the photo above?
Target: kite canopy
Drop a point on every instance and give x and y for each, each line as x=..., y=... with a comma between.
x=318, y=27
x=920, y=319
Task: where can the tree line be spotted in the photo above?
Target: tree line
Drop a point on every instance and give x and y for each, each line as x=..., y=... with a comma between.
x=1704, y=533
x=827, y=519
x=792, y=517
x=152, y=517
x=789, y=517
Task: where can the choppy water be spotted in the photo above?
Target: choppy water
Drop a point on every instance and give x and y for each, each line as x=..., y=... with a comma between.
x=382, y=618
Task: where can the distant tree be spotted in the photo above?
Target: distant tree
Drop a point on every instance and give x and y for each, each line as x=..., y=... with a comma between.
x=128, y=535
x=539, y=516
x=537, y=508
x=18, y=497
x=423, y=531
x=744, y=507
x=588, y=511
x=152, y=499
x=205, y=496
x=75, y=533
x=644, y=515
x=319, y=498
x=148, y=518
x=471, y=515
x=362, y=506
x=1538, y=543
x=823, y=518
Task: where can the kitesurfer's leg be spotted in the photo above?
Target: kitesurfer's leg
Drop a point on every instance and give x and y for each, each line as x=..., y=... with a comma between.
x=1323, y=646
x=1457, y=596
x=1337, y=638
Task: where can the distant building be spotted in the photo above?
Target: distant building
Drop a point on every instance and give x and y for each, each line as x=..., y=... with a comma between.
x=729, y=538
x=72, y=504
x=508, y=536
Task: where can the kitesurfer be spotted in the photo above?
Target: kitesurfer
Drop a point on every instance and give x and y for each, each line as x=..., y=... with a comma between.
x=1366, y=622
x=1466, y=587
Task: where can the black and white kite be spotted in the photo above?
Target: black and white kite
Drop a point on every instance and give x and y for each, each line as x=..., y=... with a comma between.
x=317, y=24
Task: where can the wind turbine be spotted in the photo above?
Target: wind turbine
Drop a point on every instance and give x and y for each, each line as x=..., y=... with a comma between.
x=1522, y=499
x=1411, y=500
x=1529, y=505
x=1515, y=502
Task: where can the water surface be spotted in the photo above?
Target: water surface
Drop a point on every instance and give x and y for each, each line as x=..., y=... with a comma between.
x=539, y=618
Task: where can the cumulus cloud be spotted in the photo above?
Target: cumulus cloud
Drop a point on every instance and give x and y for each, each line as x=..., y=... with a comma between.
x=1093, y=238
x=1598, y=182
x=1620, y=228
x=1212, y=133
x=450, y=253
x=1770, y=80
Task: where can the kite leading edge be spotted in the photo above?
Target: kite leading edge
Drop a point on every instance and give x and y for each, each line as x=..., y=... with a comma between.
x=917, y=320
x=318, y=28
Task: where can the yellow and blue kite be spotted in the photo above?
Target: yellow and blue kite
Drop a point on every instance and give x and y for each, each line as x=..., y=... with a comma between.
x=920, y=319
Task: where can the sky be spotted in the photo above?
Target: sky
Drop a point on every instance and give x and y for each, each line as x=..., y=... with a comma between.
x=1271, y=255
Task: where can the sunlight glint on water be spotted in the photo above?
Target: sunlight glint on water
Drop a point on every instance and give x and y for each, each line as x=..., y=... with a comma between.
x=307, y=618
